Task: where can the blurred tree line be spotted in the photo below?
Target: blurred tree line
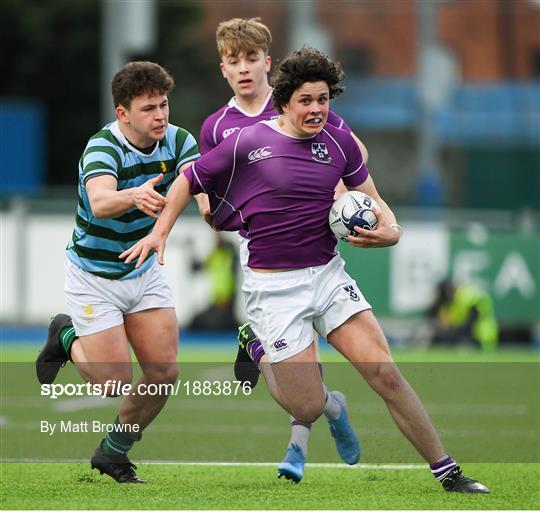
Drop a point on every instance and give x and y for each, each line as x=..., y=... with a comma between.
x=51, y=54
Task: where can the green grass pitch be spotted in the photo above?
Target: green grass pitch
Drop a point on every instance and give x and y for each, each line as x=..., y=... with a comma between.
x=220, y=452
x=73, y=486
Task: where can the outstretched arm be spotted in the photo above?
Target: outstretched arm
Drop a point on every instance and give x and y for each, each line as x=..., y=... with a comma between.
x=204, y=208
x=177, y=200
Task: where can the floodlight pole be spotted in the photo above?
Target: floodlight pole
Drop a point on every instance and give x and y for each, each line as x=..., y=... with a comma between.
x=128, y=28
x=429, y=186
x=304, y=29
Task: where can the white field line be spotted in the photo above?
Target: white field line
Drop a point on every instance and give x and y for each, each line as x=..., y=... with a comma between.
x=231, y=464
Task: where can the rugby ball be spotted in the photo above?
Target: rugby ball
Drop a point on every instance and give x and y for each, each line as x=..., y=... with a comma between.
x=352, y=209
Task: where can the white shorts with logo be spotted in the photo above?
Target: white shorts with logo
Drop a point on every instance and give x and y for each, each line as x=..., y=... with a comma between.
x=95, y=303
x=284, y=307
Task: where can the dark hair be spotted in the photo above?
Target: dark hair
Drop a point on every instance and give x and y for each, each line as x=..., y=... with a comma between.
x=305, y=65
x=138, y=78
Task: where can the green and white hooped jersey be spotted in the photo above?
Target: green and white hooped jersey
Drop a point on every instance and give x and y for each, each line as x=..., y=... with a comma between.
x=97, y=243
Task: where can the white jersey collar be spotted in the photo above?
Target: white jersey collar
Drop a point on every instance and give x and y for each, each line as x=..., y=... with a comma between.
x=233, y=104
x=273, y=123
x=115, y=130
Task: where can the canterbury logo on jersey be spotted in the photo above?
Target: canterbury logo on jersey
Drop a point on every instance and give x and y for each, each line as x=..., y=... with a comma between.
x=229, y=131
x=259, y=154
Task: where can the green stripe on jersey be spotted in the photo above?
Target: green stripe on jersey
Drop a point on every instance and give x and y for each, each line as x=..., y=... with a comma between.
x=152, y=168
x=96, y=254
x=110, y=234
x=106, y=150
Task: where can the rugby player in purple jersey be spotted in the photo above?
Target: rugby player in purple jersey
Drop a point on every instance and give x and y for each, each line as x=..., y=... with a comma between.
x=276, y=180
x=243, y=46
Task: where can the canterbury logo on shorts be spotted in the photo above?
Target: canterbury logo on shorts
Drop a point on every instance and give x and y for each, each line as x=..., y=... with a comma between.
x=280, y=345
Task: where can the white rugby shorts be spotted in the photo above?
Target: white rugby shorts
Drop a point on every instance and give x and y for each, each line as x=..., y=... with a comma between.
x=95, y=303
x=284, y=307
x=243, y=254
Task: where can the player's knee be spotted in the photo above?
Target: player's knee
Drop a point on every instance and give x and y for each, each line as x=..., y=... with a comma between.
x=112, y=378
x=101, y=373
x=308, y=411
x=389, y=378
x=162, y=373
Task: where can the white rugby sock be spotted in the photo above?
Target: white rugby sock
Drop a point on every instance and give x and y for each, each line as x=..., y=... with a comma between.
x=332, y=407
x=300, y=432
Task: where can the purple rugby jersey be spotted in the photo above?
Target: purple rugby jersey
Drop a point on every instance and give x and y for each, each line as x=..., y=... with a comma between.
x=280, y=189
x=230, y=118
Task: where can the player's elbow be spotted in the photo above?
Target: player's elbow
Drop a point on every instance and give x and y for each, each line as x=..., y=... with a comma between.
x=98, y=213
x=99, y=210
x=365, y=154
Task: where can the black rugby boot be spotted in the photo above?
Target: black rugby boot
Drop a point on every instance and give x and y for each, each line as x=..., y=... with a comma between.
x=116, y=465
x=53, y=356
x=245, y=370
x=457, y=482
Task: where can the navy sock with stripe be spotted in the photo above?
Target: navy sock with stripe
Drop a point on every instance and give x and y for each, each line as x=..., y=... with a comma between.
x=442, y=467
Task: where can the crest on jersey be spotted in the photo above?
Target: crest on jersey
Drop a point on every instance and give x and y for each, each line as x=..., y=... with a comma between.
x=320, y=152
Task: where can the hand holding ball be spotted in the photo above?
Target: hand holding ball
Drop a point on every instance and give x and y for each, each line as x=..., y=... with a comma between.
x=352, y=209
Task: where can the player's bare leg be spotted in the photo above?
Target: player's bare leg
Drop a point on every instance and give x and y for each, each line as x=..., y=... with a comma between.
x=299, y=382
x=103, y=356
x=292, y=465
x=305, y=397
x=153, y=334
x=361, y=340
x=266, y=369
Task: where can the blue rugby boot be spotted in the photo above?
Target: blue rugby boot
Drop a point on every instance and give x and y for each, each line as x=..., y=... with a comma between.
x=292, y=465
x=347, y=443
